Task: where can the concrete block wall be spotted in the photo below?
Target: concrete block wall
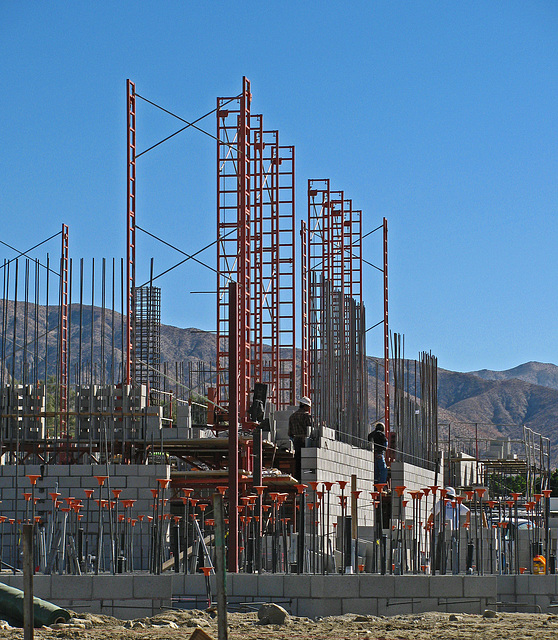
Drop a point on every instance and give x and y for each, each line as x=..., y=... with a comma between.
x=413, y=478
x=317, y=595
x=135, y=481
x=335, y=461
x=125, y=597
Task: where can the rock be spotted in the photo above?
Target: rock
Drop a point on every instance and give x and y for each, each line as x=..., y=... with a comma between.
x=87, y=623
x=272, y=614
x=5, y=625
x=488, y=613
x=166, y=623
x=453, y=618
x=197, y=622
x=134, y=624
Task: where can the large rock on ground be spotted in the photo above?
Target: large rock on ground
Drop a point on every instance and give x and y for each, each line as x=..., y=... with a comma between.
x=272, y=614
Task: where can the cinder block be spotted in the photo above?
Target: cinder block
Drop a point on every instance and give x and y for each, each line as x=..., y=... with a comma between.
x=110, y=587
x=319, y=607
x=132, y=611
x=146, y=586
x=242, y=584
x=271, y=586
x=480, y=586
x=81, y=470
x=377, y=586
x=445, y=586
x=137, y=482
x=505, y=586
x=362, y=606
x=79, y=587
x=422, y=605
x=394, y=606
x=545, y=584
x=411, y=586
x=296, y=586
x=345, y=586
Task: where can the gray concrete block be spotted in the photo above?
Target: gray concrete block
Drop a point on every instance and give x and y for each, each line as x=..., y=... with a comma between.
x=137, y=482
x=345, y=586
x=81, y=470
x=411, y=586
x=191, y=585
x=545, y=584
x=362, y=606
x=79, y=587
x=505, y=586
x=295, y=586
x=377, y=586
x=319, y=607
x=394, y=606
x=242, y=584
x=110, y=587
x=422, y=605
x=480, y=586
x=543, y=601
x=132, y=612
x=147, y=586
x=445, y=586
x=271, y=586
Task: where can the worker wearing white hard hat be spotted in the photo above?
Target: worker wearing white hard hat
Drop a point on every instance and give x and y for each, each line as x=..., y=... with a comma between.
x=299, y=425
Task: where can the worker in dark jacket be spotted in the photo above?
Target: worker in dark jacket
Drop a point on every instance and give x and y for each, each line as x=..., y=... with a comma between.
x=299, y=424
x=378, y=437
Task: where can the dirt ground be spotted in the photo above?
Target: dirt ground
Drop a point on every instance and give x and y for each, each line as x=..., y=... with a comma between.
x=244, y=626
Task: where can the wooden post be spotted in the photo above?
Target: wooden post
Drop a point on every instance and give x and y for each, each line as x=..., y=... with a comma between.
x=221, y=576
x=28, y=619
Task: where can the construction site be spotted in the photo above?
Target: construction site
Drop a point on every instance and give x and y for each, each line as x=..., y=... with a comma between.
x=115, y=457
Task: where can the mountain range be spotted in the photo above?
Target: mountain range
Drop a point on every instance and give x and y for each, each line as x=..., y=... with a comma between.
x=485, y=404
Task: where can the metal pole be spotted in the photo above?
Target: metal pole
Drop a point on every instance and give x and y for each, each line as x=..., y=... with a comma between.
x=233, y=428
x=28, y=619
x=221, y=577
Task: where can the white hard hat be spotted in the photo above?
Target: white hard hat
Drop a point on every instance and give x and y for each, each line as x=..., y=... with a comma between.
x=305, y=400
x=450, y=491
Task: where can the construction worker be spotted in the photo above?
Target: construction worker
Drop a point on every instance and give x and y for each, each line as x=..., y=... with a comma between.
x=299, y=424
x=378, y=437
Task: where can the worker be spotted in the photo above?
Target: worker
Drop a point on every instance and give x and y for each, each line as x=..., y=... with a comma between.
x=451, y=513
x=299, y=424
x=378, y=437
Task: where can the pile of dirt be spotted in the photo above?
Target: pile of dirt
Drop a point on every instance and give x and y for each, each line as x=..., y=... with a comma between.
x=180, y=625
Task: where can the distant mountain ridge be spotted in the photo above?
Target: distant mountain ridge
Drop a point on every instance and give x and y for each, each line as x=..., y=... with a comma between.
x=544, y=374
x=488, y=403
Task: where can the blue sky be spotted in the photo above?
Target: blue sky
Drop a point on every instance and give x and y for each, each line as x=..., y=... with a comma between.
x=440, y=116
